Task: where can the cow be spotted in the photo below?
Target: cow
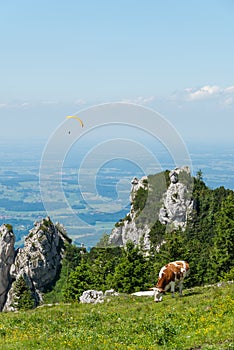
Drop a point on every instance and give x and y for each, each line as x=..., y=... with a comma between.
x=170, y=275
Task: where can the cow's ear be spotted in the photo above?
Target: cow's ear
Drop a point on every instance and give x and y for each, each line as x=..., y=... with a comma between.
x=152, y=288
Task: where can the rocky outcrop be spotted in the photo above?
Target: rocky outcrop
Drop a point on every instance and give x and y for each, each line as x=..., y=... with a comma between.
x=177, y=201
x=127, y=229
x=7, y=253
x=169, y=200
x=92, y=296
x=38, y=262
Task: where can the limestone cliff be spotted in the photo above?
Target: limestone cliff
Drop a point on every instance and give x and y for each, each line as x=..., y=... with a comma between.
x=177, y=200
x=7, y=253
x=128, y=229
x=166, y=197
x=38, y=262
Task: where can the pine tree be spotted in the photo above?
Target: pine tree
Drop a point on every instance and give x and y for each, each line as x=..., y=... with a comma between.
x=23, y=299
x=223, y=250
x=78, y=281
x=102, y=262
x=131, y=273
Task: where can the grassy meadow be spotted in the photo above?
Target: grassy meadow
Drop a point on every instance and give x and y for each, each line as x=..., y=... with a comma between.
x=202, y=319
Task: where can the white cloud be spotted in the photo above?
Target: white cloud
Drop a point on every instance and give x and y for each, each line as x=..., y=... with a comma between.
x=204, y=92
x=25, y=104
x=141, y=100
x=229, y=89
x=223, y=96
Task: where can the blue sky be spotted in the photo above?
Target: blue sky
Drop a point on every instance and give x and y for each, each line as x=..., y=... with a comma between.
x=174, y=56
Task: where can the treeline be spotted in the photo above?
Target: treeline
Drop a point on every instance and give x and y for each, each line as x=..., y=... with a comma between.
x=125, y=270
x=206, y=243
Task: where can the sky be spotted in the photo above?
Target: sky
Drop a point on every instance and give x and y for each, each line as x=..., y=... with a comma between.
x=58, y=57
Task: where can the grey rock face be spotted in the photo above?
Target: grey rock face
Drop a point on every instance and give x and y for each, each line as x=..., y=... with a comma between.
x=38, y=262
x=127, y=230
x=7, y=253
x=177, y=201
x=174, y=208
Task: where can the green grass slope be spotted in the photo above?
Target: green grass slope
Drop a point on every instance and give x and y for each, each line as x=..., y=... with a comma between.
x=201, y=319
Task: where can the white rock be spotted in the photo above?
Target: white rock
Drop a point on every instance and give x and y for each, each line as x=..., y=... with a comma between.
x=7, y=252
x=92, y=296
x=111, y=292
x=177, y=201
x=38, y=262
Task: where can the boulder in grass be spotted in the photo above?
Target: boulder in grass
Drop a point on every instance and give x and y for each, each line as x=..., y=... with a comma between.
x=110, y=293
x=92, y=297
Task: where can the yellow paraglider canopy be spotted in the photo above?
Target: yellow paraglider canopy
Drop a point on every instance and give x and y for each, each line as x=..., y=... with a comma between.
x=75, y=117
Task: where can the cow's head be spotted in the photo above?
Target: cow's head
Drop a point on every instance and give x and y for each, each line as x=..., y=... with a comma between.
x=158, y=293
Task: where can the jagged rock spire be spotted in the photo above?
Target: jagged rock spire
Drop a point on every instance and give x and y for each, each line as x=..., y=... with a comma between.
x=38, y=262
x=7, y=253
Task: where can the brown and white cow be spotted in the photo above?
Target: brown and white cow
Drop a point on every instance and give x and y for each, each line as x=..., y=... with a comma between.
x=170, y=275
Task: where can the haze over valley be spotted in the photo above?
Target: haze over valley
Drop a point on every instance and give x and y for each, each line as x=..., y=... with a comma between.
x=21, y=203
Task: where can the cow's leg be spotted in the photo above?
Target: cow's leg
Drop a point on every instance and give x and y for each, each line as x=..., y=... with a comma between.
x=172, y=289
x=181, y=288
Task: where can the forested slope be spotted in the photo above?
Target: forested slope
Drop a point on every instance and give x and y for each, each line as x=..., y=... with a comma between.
x=206, y=243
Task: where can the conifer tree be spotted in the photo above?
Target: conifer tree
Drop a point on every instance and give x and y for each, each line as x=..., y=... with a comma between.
x=23, y=299
x=78, y=281
x=131, y=273
x=223, y=250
